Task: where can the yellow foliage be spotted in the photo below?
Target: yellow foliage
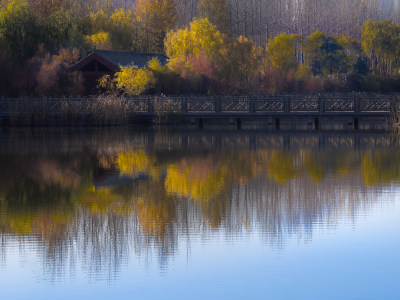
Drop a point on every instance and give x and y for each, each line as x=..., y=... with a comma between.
x=155, y=65
x=12, y=5
x=122, y=17
x=100, y=40
x=282, y=50
x=200, y=38
x=134, y=81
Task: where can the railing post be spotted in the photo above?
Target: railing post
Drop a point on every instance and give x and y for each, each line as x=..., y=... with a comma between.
x=252, y=105
x=321, y=104
x=218, y=108
x=287, y=104
x=356, y=104
x=184, y=105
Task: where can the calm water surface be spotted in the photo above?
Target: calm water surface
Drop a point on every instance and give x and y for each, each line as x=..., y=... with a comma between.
x=119, y=214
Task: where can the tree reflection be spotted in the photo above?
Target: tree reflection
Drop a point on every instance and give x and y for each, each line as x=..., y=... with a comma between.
x=280, y=166
x=201, y=179
x=380, y=167
x=101, y=204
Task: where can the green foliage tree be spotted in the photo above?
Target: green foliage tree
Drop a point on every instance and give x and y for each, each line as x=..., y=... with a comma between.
x=60, y=30
x=334, y=58
x=325, y=55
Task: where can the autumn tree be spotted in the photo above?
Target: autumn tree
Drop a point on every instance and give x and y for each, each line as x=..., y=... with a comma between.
x=122, y=29
x=166, y=81
x=154, y=19
x=381, y=42
x=99, y=33
x=200, y=41
x=99, y=20
x=282, y=51
x=239, y=69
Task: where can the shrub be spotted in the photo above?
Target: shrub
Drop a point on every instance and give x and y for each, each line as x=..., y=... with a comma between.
x=52, y=78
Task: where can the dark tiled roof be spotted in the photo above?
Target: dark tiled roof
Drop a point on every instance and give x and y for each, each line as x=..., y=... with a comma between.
x=125, y=58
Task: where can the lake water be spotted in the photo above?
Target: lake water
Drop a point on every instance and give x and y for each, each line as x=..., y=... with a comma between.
x=124, y=214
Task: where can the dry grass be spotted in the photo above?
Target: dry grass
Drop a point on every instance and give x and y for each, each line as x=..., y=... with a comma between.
x=100, y=110
x=109, y=110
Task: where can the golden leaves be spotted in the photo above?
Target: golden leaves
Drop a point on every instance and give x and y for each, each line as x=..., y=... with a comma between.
x=134, y=81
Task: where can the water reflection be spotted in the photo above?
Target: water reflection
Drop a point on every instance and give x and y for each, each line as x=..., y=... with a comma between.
x=93, y=198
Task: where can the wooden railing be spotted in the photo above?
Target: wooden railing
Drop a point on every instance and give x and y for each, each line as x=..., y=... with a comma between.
x=320, y=104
